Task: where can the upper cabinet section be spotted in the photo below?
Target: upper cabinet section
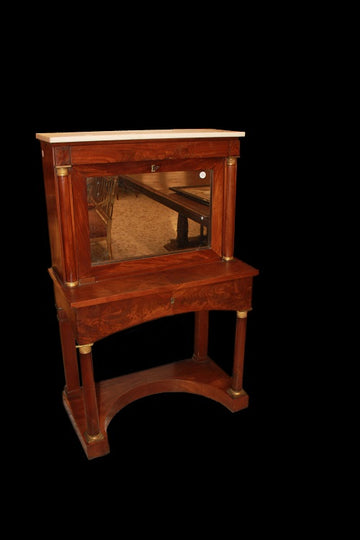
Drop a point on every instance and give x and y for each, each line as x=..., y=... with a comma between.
x=135, y=201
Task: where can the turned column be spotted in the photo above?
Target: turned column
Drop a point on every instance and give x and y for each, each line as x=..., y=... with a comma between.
x=236, y=389
x=67, y=225
x=229, y=208
x=70, y=360
x=89, y=394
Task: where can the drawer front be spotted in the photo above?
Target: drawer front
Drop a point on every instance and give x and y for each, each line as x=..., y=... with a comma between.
x=117, y=152
x=95, y=322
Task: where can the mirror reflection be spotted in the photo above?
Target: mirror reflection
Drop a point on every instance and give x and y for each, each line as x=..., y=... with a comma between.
x=142, y=215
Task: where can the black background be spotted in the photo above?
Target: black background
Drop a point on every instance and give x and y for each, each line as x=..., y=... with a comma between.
x=226, y=73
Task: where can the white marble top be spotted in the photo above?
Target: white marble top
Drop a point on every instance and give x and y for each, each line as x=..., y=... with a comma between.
x=87, y=136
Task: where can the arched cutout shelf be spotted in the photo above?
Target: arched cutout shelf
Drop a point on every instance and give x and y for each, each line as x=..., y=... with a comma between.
x=203, y=378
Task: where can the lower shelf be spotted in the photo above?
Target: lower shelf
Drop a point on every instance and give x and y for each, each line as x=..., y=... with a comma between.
x=202, y=378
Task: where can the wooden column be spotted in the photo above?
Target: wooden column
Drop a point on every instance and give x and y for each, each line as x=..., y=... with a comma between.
x=239, y=353
x=67, y=226
x=89, y=394
x=229, y=208
x=201, y=336
x=70, y=359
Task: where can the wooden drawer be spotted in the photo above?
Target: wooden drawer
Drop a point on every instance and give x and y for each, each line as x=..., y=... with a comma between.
x=95, y=322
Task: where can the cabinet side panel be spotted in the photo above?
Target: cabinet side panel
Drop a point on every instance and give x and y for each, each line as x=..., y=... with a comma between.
x=52, y=209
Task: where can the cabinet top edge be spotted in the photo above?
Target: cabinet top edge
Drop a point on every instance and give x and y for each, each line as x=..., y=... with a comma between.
x=147, y=134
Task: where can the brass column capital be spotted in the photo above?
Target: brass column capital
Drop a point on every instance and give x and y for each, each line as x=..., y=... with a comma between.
x=241, y=314
x=231, y=160
x=63, y=170
x=85, y=349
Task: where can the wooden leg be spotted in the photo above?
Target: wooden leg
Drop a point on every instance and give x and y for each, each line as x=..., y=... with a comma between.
x=201, y=336
x=239, y=352
x=93, y=432
x=182, y=231
x=70, y=360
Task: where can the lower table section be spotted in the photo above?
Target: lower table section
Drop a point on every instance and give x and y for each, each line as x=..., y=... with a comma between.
x=204, y=378
x=92, y=312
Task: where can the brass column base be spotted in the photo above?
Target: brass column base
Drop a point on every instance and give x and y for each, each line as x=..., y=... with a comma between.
x=93, y=438
x=236, y=393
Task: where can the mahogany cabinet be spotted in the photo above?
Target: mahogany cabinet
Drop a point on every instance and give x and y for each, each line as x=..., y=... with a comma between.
x=141, y=226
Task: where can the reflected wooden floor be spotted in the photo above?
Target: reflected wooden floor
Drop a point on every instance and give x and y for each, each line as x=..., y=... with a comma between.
x=141, y=227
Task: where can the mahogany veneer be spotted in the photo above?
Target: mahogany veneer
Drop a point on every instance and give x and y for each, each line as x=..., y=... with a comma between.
x=96, y=300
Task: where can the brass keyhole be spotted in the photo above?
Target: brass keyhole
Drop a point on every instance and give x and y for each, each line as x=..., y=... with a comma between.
x=154, y=167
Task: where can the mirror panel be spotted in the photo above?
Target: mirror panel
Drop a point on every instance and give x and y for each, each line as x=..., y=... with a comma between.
x=133, y=216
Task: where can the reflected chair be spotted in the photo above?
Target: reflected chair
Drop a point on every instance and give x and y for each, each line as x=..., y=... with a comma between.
x=101, y=195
